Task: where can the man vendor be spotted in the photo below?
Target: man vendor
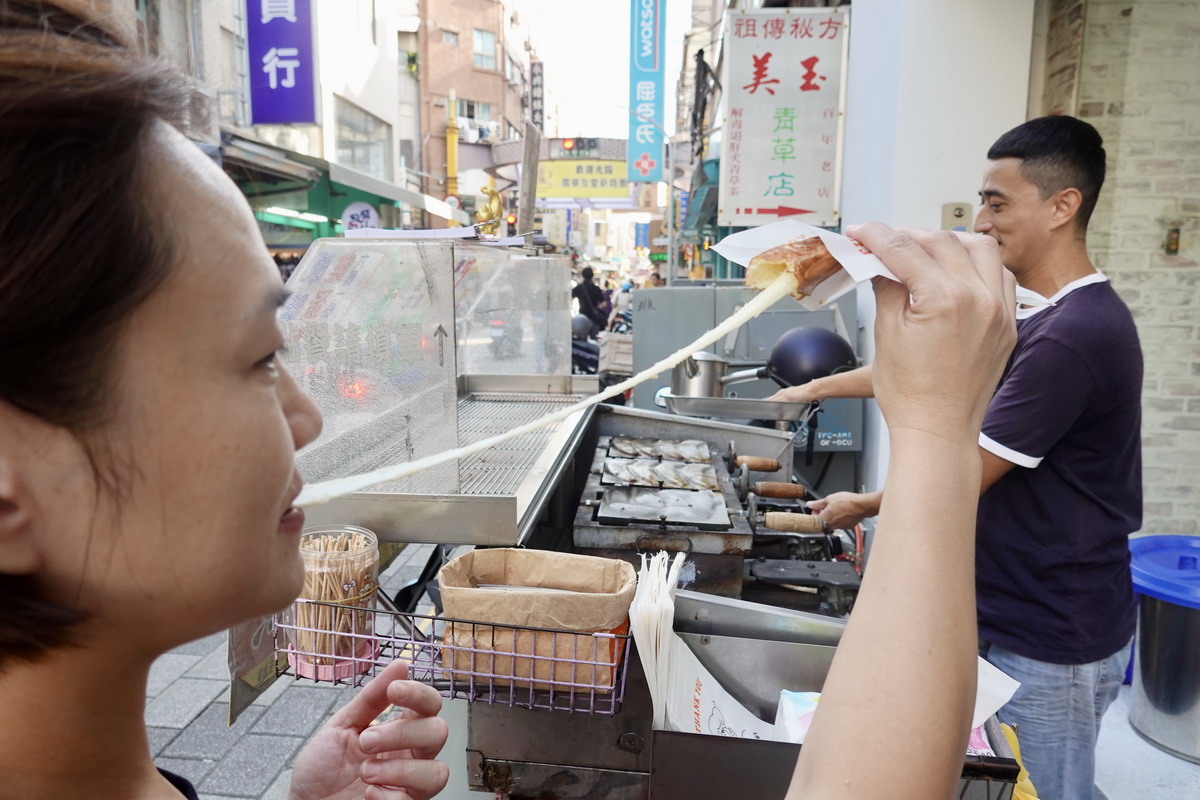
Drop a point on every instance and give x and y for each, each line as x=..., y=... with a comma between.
x=1061, y=452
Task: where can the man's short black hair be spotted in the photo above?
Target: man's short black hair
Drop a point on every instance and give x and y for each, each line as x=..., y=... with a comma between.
x=587, y=273
x=1057, y=153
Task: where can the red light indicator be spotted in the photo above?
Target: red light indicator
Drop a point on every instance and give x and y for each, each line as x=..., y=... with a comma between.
x=568, y=144
x=511, y=219
x=352, y=389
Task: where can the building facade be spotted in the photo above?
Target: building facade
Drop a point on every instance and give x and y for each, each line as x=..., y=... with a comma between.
x=474, y=67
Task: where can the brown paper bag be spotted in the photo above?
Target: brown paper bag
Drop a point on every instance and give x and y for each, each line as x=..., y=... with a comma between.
x=537, y=589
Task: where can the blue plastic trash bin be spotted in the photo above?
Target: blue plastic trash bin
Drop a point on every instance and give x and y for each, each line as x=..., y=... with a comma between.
x=1166, y=677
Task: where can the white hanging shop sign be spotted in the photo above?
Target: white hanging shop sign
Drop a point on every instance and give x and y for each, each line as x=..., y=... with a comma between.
x=781, y=143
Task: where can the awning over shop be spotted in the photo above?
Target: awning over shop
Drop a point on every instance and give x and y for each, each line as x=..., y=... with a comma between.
x=367, y=183
x=262, y=170
x=267, y=166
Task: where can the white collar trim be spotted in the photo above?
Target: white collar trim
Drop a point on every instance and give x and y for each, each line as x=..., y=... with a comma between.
x=1086, y=280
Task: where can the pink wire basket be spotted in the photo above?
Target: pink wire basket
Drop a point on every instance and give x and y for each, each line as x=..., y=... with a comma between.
x=468, y=660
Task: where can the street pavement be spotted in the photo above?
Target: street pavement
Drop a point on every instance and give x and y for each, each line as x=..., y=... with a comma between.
x=187, y=707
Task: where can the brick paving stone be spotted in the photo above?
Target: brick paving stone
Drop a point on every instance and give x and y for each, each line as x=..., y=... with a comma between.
x=201, y=647
x=160, y=738
x=252, y=766
x=181, y=702
x=214, y=666
x=297, y=711
x=166, y=669
x=208, y=736
x=192, y=769
x=279, y=789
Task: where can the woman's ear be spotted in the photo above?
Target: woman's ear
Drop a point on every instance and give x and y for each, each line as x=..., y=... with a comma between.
x=19, y=553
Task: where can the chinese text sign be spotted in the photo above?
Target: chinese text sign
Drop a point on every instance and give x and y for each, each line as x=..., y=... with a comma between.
x=781, y=143
x=644, y=153
x=581, y=178
x=279, y=42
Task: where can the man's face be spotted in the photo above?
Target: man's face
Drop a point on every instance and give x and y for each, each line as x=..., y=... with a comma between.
x=1014, y=214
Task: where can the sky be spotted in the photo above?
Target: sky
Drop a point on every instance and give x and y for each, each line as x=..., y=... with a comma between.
x=584, y=45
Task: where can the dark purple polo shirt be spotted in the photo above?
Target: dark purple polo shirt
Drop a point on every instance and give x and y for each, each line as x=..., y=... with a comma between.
x=1052, y=559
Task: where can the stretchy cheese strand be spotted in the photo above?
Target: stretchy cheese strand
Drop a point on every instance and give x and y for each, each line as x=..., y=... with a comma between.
x=323, y=492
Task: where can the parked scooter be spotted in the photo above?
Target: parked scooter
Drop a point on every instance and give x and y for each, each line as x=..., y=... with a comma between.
x=585, y=353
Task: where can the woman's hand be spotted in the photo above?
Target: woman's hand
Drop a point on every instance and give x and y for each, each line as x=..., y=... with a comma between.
x=844, y=510
x=944, y=332
x=350, y=759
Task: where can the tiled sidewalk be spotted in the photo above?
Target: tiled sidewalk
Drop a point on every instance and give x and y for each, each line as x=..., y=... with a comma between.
x=187, y=705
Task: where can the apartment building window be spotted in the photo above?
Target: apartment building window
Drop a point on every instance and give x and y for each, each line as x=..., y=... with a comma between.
x=480, y=112
x=485, y=49
x=450, y=38
x=512, y=70
x=364, y=142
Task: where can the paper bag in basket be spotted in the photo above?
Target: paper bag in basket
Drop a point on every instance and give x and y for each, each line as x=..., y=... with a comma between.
x=535, y=589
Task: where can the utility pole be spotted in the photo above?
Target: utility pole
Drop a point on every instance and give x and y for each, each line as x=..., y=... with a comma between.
x=452, y=149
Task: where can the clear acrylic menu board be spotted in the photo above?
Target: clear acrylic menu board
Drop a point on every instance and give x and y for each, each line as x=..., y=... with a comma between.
x=377, y=331
x=370, y=334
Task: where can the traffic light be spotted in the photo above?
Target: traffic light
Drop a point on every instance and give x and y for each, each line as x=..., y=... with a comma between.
x=511, y=219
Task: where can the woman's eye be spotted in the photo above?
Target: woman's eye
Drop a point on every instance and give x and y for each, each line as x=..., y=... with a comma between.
x=271, y=361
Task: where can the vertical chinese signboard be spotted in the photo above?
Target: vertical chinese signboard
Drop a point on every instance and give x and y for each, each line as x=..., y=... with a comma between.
x=644, y=154
x=781, y=148
x=279, y=42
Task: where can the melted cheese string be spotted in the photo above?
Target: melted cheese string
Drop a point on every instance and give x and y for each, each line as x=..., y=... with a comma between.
x=318, y=493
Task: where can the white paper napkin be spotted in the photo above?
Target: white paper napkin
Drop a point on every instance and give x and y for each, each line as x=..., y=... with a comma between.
x=858, y=264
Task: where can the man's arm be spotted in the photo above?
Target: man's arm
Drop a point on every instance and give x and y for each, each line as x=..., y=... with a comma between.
x=855, y=383
x=994, y=468
x=844, y=510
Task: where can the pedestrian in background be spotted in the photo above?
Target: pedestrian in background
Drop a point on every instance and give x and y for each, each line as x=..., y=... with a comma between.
x=591, y=300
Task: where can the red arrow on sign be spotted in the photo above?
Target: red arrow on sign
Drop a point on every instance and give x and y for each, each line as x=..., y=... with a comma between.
x=784, y=211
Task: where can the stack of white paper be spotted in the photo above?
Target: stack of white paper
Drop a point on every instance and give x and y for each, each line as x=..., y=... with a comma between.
x=652, y=617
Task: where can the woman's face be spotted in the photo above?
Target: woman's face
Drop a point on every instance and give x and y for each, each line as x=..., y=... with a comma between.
x=201, y=532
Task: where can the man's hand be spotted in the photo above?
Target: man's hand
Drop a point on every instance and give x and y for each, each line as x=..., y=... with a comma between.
x=795, y=394
x=350, y=759
x=844, y=510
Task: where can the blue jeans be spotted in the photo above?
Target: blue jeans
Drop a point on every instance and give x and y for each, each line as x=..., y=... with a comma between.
x=1057, y=712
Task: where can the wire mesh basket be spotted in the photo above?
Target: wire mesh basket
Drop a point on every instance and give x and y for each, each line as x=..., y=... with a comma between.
x=462, y=659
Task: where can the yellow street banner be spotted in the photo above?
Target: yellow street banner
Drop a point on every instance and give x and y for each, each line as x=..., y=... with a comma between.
x=582, y=177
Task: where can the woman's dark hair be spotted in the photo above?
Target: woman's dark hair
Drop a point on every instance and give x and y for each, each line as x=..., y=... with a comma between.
x=79, y=243
x=1058, y=153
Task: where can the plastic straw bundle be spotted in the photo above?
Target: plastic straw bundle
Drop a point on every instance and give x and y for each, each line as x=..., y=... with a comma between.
x=340, y=569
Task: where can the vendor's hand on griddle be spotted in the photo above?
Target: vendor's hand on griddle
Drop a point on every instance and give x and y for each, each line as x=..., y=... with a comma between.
x=795, y=394
x=394, y=760
x=943, y=334
x=844, y=510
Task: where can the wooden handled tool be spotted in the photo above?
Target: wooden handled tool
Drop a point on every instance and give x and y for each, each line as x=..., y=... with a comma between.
x=779, y=490
x=793, y=523
x=758, y=464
